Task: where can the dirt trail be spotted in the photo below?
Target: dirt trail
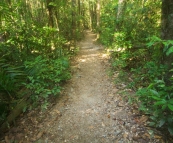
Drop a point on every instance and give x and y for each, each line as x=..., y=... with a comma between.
x=94, y=111
x=90, y=110
x=86, y=119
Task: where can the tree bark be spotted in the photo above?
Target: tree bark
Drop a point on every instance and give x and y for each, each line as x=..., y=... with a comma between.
x=98, y=18
x=120, y=14
x=73, y=32
x=167, y=31
x=50, y=11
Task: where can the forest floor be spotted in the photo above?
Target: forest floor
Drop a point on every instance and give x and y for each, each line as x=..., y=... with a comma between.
x=91, y=108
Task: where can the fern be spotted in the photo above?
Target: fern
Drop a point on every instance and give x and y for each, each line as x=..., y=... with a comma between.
x=11, y=78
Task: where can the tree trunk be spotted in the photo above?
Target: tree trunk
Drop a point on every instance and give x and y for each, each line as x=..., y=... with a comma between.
x=98, y=18
x=90, y=13
x=120, y=14
x=56, y=17
x=50, y=11
x=167, y=31
x=73, y=32
x=79, y=13
x=93, y=15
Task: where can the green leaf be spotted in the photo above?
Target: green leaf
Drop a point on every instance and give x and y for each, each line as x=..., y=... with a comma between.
x=162, y=122
x=24, y=109
x=170, y=129
x=150, y=86
x=170, y=119
x=151, y=132
x=150, y=44
x=44, y=105
x=170, y=107
x=170, y=101
x=156, y=98
x=153, y=118
x=171, y=70
x=154, y=92
x=160, y=102
x=164, y=107
x=169, y=51
x=152, y=123
x=45, y=95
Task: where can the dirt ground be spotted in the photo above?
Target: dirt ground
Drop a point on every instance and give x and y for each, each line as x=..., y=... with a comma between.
x=90, y=110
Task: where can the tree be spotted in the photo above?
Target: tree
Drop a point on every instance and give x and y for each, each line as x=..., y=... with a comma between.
x=167, y=32
x=98, y=18
x=120, y=13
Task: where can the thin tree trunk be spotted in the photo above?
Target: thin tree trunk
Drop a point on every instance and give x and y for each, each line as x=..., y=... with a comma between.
x=98, y=18
x=56, y=17
x=120, y=13
x=50, y=11
x=73, y=4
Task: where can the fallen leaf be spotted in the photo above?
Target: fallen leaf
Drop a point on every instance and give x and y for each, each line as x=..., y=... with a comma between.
x=58, y=112
x=40, y=135
x=91, y=127
x=157, y=137
x=88, y=111
x=103, y=124
x=143, y=119
x=120, y=104
x=146, y=135
x=6, y=139
x=125, y=135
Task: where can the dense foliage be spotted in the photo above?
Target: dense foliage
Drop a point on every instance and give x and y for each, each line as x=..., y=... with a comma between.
x=36, y=41
x=132, y=30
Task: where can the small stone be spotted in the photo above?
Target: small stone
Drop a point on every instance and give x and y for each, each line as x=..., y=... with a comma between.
x=118, y=132
x=134, y=130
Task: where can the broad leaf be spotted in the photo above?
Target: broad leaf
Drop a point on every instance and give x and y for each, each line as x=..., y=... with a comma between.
x=162, y=122
x=170, y=129
x=171, y=101
x=156, y=98
x=170, y=107
x=154, y=92
x=160, y=102
x=169, y=51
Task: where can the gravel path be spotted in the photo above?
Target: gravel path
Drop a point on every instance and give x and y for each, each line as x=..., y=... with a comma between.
x=94, y=112
x=91, y=109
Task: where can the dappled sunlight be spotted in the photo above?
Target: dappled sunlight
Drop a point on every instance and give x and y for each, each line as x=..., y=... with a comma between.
x=82, y=60
x=89, y=58
x=104, y=55
x=69, y=70
x=120, y=49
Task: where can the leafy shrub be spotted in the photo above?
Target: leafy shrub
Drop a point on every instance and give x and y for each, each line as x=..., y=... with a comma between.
x=157, y=101
x=11, y=80
x=45, y=76
x=147, y=73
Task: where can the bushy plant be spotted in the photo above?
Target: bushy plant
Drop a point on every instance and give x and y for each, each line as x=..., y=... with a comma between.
x=45, y=76
x=157, y=101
